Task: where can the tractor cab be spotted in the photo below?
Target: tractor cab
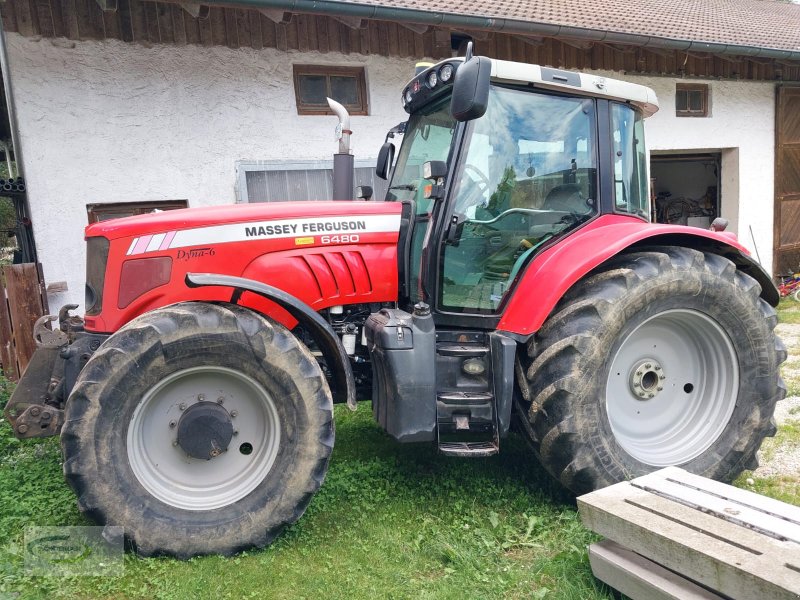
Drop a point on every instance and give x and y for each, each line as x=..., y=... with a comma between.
x=525, y=156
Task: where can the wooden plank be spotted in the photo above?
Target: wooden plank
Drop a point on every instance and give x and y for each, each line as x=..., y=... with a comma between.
x=42, y=290
x=217, y=19
x=9, y=15
x=24, y=303
x=138, y=21
x=111, y=24
x=204, y=28
x=759, y=513
x=281, y=37
x=724, y=557
x=640, y=578
x=151, y=19
x=334, y=37
x=25, y=23
x=231, y=32
x=323, y=43
x=125, y=21
x=46, y=20
x=269, y=34
x=303, y=34
x=256, y=39
x=8, y=357
x=165, y=27
x=178, y=16
x=243, y=28
x=69, y=11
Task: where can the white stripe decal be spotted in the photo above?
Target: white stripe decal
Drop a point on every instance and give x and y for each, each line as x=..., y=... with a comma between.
x=133, y=245
x=285, y=228
x=155, y=242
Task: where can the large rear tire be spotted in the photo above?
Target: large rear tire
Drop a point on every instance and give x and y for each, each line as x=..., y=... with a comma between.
x=199, y=428
x=662, y=357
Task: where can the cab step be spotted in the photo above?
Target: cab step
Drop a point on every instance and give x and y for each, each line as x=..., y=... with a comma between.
x=469, y=449
x=463, y=350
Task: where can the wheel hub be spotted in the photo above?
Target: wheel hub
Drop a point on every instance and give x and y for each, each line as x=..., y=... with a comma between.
x=205, y=430
x=647, y=379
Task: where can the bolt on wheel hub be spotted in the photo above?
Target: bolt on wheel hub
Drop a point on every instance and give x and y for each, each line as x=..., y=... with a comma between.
x=647, y=379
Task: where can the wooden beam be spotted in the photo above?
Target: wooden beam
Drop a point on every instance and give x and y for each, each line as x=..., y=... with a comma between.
x=579, y=44
x=198, y=11
x=279, y=17
x=351, y=22
x=107, y=5
x=531, y=40
x=415, y=27
x=478, y=36
x=441, y=38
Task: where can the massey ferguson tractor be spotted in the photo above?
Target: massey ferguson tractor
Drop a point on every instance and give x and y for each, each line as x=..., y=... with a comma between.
x=512, y=275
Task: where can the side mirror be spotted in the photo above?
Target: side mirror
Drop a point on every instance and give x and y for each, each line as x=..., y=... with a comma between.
x=385, y=160
x=364, y=192
x=471, y=89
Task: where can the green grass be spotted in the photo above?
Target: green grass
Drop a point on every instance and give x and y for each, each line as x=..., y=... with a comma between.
x=391, y=521
x=789, y=311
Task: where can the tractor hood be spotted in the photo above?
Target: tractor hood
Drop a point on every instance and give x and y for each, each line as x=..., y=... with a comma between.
x=322, y=253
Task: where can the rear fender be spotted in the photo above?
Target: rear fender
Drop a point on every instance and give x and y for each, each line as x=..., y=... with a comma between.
x=344, y=388
x=551, y=274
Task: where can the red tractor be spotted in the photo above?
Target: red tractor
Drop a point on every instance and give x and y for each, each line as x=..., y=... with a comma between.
x=512, y=274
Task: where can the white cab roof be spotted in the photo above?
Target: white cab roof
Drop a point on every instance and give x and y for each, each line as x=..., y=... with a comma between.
x=576, y=83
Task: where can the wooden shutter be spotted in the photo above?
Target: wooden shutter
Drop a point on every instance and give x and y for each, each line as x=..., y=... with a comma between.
x=787, y=182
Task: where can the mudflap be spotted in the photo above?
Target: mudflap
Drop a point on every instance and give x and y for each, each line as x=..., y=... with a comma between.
x=28, y=410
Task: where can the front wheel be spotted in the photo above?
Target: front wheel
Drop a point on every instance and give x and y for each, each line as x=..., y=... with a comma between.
x=664, y=357
x=200, y=429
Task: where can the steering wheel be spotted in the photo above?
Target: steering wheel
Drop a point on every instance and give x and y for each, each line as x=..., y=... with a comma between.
x=482, y=181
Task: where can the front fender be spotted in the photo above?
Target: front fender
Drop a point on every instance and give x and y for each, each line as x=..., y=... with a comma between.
x=322, y=333
x=548, y=276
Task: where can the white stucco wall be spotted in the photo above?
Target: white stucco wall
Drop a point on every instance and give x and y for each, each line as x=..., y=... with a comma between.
x=115, y=122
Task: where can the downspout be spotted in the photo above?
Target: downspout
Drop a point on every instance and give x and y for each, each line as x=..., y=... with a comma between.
x=516, y=26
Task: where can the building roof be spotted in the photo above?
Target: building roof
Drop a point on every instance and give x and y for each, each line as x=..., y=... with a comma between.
x=772, y=24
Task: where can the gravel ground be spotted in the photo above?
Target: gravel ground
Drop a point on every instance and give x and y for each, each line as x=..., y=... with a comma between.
x=785, y=460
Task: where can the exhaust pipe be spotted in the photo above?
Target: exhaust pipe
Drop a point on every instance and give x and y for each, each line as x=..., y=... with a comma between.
x=342, y=161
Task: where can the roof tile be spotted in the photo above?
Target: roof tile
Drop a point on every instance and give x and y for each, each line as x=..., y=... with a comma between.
x=757, y=23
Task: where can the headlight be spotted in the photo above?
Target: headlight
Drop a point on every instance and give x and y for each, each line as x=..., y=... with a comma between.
x=446, y=73
x=432, y=79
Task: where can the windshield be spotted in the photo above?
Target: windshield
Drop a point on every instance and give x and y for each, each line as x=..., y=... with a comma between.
x=428, y=136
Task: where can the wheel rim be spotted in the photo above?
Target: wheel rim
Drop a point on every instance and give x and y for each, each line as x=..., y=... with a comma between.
x=672, y=387
x=171, y=475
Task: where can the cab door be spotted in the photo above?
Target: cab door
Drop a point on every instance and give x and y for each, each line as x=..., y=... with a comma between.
x=528, y=175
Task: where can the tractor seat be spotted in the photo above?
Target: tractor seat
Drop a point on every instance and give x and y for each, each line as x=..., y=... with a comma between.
x=566, y=197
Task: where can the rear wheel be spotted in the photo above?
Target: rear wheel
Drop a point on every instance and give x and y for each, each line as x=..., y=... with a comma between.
x=200, y=429
x=664, y=357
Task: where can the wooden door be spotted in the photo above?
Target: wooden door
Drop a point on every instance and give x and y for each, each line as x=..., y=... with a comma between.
x=787, y=182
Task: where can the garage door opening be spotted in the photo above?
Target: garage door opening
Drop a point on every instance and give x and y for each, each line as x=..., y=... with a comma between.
x=686, y=188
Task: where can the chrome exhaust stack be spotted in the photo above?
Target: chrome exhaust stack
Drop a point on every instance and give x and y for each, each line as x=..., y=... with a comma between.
x=343, y=164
